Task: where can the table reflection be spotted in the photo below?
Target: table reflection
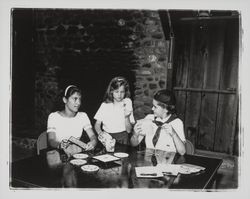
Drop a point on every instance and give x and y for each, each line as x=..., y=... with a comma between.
x=56, y=172
x=69, y=177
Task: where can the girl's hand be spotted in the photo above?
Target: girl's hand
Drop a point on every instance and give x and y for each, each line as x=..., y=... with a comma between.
x=143, y=127
x=90, y=146
x=127, y=107
x=138, y=129
x=105, y=135
x=72, y=149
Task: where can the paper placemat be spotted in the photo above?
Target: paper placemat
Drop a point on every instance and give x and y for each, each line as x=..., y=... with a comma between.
x=106, y=158
x=148, y=172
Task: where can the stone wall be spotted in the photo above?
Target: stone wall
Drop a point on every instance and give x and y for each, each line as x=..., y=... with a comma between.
x=134, y=40
x=152, y=58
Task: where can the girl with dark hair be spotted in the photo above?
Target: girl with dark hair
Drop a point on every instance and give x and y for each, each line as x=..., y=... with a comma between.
x=69, y=122
x=115, y=115
x=162, y=130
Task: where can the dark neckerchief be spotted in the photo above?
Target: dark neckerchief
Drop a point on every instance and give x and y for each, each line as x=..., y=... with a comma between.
x=159, y=124
x=170, y=119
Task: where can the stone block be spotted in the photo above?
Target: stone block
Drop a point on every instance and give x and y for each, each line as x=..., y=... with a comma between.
x=138, y=104
x=147, y=65
x=153, y=86
x=159, y=71
x=150, y=22
x=146, y=93
x=157, y=35
x=150, y=79
x=138, y=92
x=145, y=72
x=162, y=84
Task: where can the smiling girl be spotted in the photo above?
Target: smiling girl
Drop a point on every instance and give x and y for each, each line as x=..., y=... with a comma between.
x=69, y=122
x=115, y=115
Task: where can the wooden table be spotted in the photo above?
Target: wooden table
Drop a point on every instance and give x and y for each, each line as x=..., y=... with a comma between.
x=35, y=172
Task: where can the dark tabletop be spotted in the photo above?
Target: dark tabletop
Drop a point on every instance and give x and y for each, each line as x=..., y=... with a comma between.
x=36, y=172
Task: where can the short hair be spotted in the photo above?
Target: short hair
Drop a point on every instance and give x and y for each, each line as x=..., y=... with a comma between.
x=166, y=99
x=114, y=84
x=70, y=90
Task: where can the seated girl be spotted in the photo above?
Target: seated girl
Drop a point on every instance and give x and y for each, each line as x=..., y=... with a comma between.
x=69, y=122
x=162, y=130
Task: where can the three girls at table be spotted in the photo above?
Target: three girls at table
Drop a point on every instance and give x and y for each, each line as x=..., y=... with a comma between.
x=162, y=130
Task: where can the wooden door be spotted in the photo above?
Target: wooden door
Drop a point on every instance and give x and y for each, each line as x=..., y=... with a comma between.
x=206, y=81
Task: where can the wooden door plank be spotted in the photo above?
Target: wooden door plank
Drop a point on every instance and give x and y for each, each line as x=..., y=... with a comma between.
x=225, y=122
x=181, y=68
x=207, y=121
x=228, y=104
x=213, y=64
x=195, y=79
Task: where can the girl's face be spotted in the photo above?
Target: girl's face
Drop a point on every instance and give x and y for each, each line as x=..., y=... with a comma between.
x=158, y=110
x=119, y=94
x=73, y=103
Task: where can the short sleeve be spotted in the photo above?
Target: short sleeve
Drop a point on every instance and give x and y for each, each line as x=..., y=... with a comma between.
x=179, y=128
x=51, y=123
x=100, y=113
x=86, y=122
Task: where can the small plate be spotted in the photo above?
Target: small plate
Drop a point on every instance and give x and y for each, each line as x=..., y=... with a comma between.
x=80, y=156
x=78, y=162
x=121, y=155
x=90, y=168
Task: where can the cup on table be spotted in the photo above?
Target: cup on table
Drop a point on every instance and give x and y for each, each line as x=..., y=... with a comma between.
x=107, y=141
x=110, y=145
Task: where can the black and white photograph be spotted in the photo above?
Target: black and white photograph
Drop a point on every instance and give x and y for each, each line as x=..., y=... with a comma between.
x=125, y=98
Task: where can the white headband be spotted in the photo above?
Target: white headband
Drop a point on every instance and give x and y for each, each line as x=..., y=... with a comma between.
x=66, y=90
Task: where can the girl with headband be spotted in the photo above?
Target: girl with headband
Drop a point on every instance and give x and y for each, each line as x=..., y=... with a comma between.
x=162, y=130
x=115, y=115
x=69, y=122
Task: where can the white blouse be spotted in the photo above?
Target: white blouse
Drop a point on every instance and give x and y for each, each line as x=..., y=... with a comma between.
x=112, y=115
x=65, y=127
x=165, y=141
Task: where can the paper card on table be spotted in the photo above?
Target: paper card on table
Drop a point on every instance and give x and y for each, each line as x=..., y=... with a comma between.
x=148, y=172
x=106, y=158
x=194, y=166
x=188, y=169
x=174, y=169
x=169, y=169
